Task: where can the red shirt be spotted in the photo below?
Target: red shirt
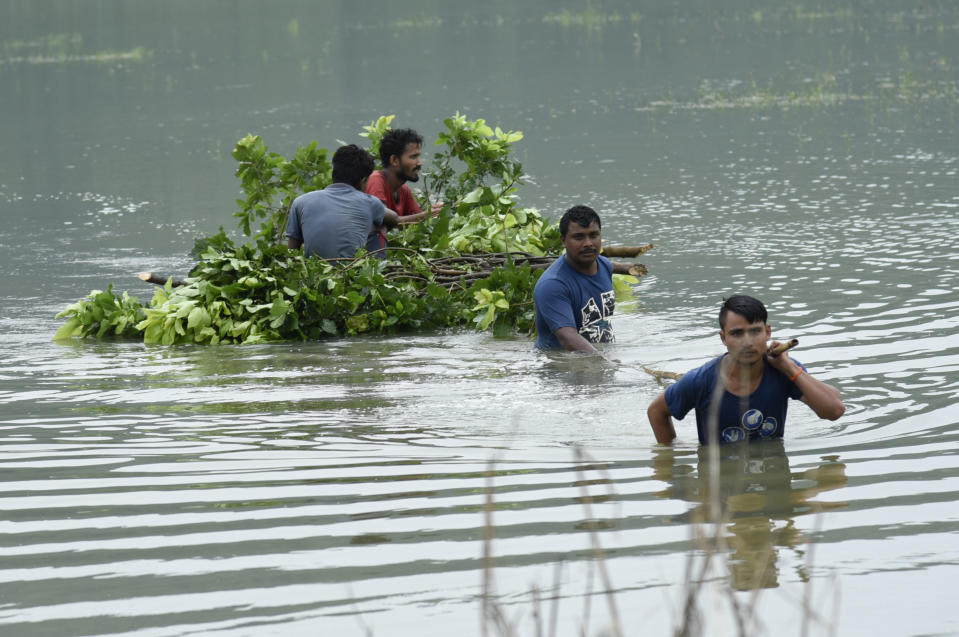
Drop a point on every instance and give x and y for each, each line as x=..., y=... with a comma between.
x=376, y=186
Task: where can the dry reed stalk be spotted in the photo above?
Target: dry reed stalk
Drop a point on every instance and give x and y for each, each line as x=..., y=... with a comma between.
x=598, y=553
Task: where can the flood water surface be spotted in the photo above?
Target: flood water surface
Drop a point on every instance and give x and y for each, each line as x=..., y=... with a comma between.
x=412, y=484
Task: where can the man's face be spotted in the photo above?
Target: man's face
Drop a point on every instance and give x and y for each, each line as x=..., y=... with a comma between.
x=583, y=244
x=407, y=167
x=745, y=341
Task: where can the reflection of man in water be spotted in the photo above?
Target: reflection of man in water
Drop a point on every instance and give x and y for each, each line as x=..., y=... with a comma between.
x=755, y=497
x=744, y=392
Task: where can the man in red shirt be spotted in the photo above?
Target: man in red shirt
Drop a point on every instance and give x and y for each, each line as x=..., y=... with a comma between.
x=400, y=152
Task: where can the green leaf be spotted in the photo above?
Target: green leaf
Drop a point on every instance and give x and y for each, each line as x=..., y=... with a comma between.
x=486, y=319
x=473, y=196
x=198, y=318
x=185, y=309
x=67, y=330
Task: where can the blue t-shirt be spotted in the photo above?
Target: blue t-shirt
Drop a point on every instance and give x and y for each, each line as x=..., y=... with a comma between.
x=567, y=298
x=334, y=222
x=761, y=415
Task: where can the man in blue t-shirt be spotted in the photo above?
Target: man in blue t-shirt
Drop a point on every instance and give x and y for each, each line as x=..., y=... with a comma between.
x=574, y=298
x=744, y=393
x=335, y=222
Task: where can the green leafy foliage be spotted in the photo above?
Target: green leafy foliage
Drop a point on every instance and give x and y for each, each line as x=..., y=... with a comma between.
x=488, y=220
x=101, y=314
x=261, y=291
x=375, y=132
x=244, y=295
x=271, y=183
x=473, y=154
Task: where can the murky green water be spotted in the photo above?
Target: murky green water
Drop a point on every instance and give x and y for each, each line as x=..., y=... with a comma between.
x=805, y=154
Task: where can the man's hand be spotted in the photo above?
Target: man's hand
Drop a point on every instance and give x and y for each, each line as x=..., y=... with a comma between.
x=824, y=399
x=417, y=217
x=782, y=362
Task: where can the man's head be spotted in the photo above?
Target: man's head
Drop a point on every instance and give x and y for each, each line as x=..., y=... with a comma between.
x=743, y=329
x=400, y=153
x=352, y=165
x=747, y=307
x=581, y=215
x=582, y=236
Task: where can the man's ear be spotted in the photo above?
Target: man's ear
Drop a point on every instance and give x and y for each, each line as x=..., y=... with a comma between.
x=722, y=336
x=394, y=160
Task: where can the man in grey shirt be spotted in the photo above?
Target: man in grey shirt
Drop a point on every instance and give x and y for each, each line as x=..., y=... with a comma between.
x=335, y=222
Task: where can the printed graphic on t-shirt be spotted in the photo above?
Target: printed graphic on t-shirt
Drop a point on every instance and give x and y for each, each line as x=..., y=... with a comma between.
x=596, y=327
x=751, y=422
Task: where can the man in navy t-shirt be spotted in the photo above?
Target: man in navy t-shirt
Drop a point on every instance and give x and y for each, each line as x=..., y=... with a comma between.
x=574, y=297
x=742, y=394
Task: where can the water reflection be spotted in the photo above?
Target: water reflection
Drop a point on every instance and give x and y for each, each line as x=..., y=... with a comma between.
x=756, y=499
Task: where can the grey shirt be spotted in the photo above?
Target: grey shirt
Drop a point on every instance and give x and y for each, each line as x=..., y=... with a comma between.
x=335, y=221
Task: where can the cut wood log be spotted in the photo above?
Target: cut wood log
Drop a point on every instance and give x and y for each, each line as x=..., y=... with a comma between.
x=633, y=269
x=627, y=252
x=159, y=279
x=788, y=345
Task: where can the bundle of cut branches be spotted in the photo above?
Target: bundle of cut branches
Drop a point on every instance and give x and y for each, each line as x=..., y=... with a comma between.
x=459, y=270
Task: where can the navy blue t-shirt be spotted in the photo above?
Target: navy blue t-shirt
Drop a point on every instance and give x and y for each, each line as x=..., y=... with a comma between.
x=760, y=415
x=567, y=298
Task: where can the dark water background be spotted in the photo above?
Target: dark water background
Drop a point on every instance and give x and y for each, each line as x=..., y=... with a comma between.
x=806, y=154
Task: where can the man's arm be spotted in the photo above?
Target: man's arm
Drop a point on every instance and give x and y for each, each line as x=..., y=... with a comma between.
x=417, y=217
x=573, y=341
x=661, y=420
x=294, y=233
x=825, y=400
x=391, y=219
x=413, y=218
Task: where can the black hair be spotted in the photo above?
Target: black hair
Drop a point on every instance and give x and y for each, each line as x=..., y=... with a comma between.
x=351, y=165
x=747, y=307
x=581, y=215
x=394, y=142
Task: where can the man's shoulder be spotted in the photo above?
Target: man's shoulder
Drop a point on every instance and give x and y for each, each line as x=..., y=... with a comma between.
x=375, y=181
x=335, y=193
x=606, y=267
x=309, y=197
x=345, y=192
x=692, y=387
x=552, y=274
x=560, y=272
x=551, y=285
x=376, y=186
x=705, y=371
